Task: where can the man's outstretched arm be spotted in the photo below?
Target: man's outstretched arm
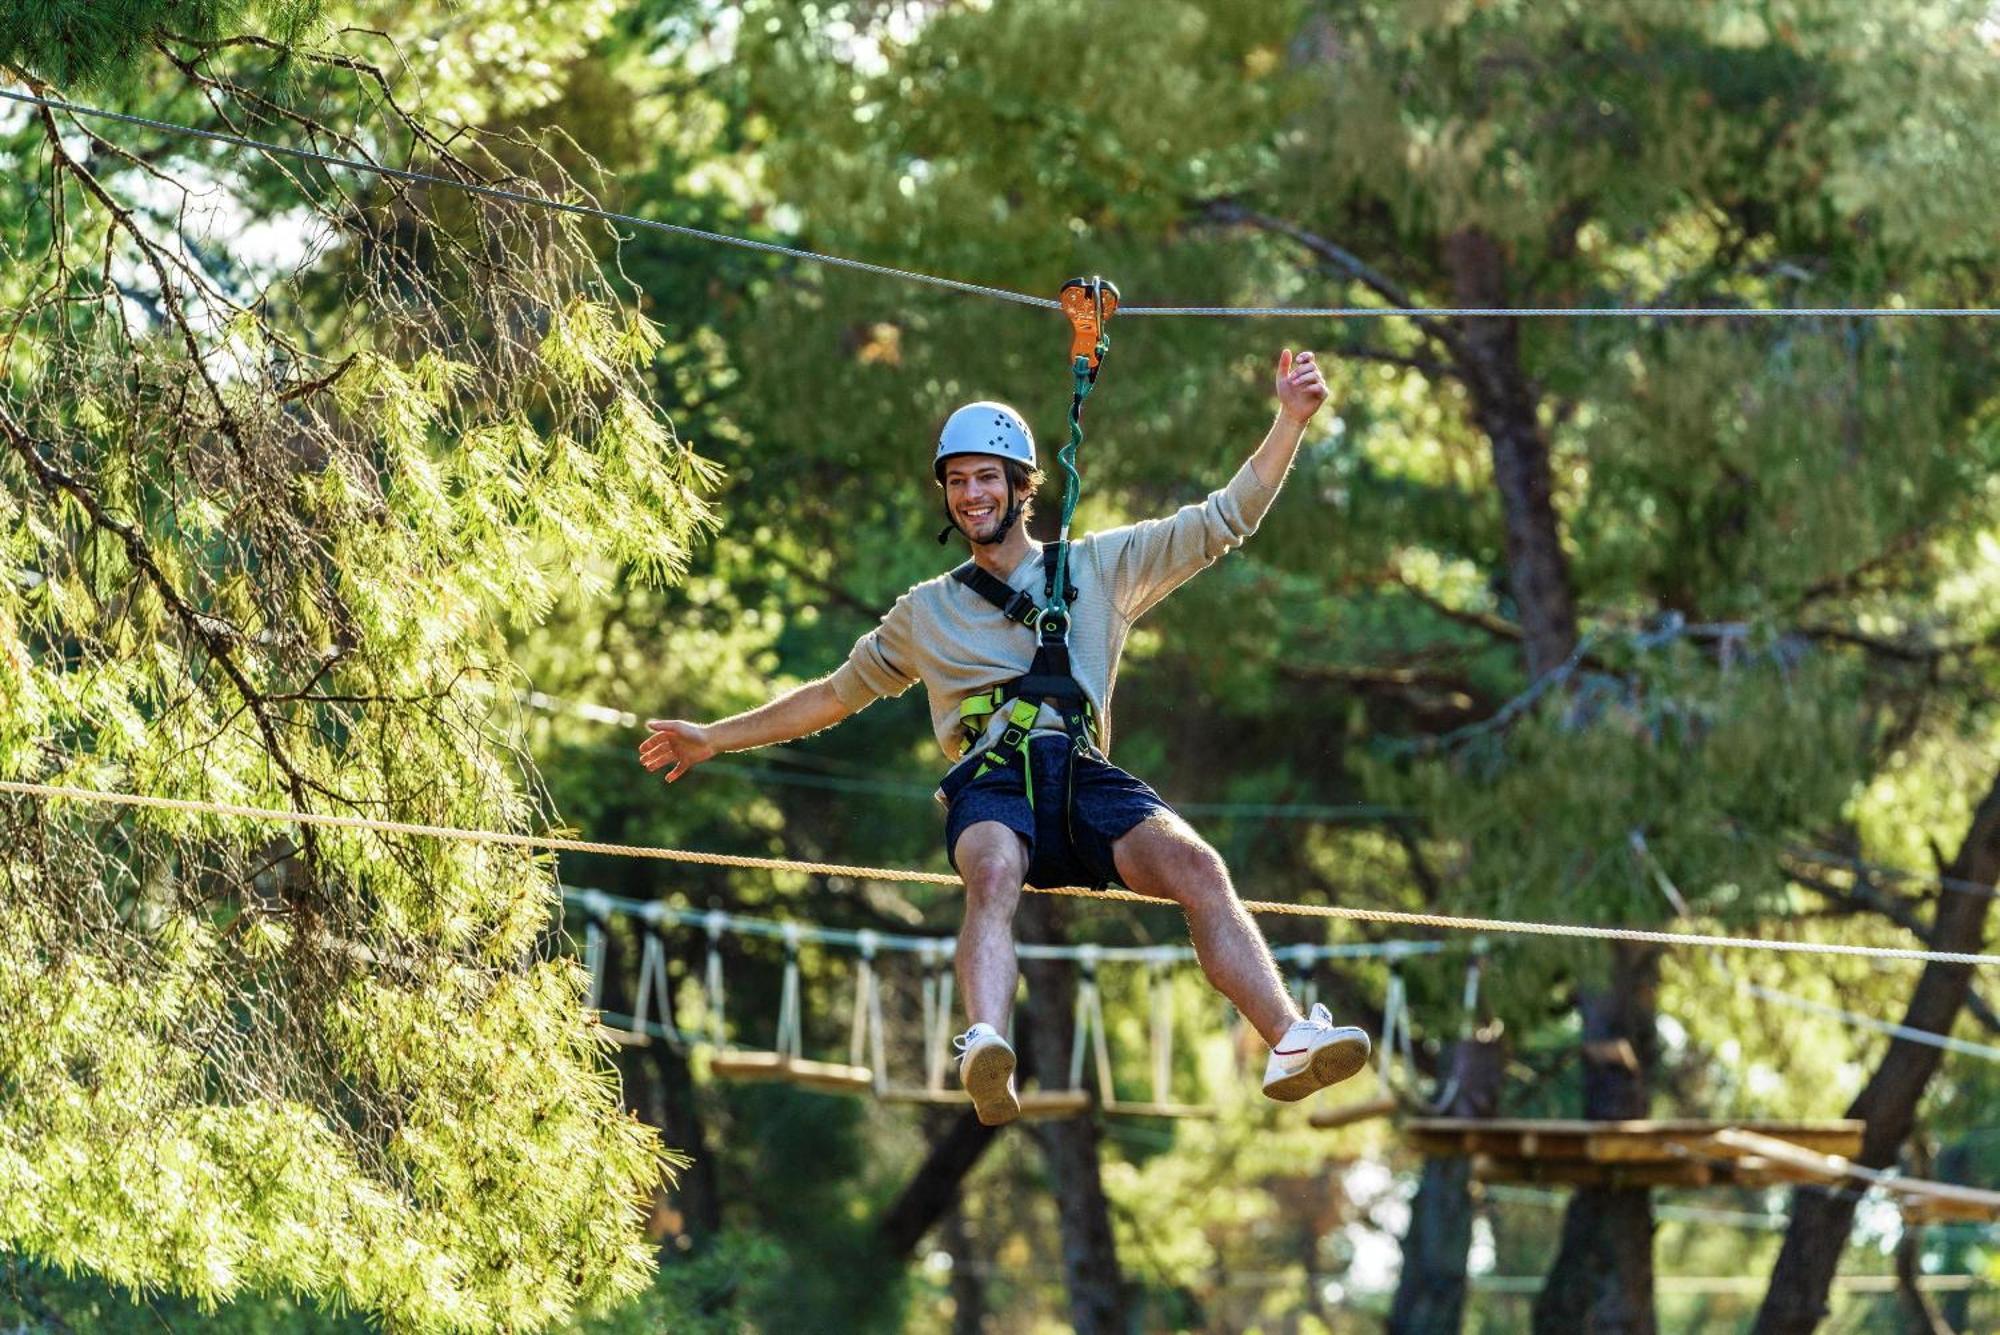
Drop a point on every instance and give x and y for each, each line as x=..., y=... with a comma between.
x=1155, y=556
x=677, y=742
x=1301, y=390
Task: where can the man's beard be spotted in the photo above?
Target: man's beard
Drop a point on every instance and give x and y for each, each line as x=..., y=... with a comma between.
x=982, y=529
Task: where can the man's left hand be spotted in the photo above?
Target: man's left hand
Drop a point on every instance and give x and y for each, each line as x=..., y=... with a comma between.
x=1301, y=387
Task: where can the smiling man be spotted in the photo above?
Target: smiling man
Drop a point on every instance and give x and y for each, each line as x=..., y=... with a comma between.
x=1032, y=798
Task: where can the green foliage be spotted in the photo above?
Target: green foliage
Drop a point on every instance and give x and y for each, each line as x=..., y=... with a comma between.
x=266, y=521
x=1821, y=491
x=1824, y=489
x=83, y=43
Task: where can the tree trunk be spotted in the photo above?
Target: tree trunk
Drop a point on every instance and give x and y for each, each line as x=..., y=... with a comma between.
x=1920, y=1314
x=968, y=1290
x=1098, y=1302
x=696, y=1195
x=1505, y=405
x=1962, y=1254
x=1602, y=1278
x=1430, y=1294
x=932, y=1194
x=1822, y=1217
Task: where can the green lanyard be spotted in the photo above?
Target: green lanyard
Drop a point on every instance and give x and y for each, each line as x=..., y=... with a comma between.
x=1089, y=303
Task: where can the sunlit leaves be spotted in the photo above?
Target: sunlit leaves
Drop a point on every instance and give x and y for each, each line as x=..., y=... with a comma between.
x=263, y=525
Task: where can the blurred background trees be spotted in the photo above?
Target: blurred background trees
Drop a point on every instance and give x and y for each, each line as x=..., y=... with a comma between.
x=1624, y=621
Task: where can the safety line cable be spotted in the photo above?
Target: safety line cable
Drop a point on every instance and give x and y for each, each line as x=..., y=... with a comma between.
x=553, y=843
x=521, y=197
x=983, y=289
x=596, y=904
x=1926, y=1037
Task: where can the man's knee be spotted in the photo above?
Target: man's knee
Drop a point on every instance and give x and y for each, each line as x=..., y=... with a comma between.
x=991, y=861
x=1173, y=860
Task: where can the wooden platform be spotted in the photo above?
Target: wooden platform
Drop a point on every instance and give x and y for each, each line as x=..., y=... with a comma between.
x=1679, y=1153
x=829, y=1077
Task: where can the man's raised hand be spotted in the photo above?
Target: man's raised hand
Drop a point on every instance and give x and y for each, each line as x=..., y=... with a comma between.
x=1301, y=387
x=675, y=742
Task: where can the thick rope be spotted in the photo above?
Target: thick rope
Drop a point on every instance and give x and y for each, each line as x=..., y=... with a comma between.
x=557, y=843
x=986, y=290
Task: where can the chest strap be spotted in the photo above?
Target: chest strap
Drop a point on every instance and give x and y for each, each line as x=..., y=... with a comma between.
x=1048, y=679
x=1013, y=603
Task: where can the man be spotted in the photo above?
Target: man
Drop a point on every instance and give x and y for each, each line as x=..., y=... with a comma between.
x=1031, y=798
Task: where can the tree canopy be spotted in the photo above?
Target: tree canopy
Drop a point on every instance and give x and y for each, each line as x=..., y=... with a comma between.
x=1652, y=621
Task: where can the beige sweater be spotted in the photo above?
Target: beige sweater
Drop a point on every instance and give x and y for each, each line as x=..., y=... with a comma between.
x=956, y=643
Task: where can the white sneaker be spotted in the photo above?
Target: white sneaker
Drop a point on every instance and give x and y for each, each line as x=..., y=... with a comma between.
x=1313, y=1054
x=986, y=1069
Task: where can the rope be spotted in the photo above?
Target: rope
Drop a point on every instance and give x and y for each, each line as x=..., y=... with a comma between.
x=554, y=843
x=983, y=289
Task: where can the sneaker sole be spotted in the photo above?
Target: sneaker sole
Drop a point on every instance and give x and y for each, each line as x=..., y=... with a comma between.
x=1329, y=1065
x=988, y=1077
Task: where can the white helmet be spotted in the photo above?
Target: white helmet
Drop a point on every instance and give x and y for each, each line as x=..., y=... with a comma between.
x=985, y=428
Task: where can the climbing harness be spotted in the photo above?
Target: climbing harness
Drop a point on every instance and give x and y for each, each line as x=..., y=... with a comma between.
x=1089, y=303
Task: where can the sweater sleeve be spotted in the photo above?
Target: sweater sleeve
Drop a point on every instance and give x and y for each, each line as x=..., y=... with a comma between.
x=882, y=662
x=1150, y=559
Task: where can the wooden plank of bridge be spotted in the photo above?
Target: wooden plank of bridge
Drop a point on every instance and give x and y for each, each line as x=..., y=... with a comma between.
x=1052, y=1104
x=1347, y=1114
x=829, y=1077
x=1198, y=1112
x=928, y=1098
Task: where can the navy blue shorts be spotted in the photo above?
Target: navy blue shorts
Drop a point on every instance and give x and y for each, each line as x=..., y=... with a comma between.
x=1106, y=803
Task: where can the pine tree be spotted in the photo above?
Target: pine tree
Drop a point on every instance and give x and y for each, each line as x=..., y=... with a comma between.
x=272, y=500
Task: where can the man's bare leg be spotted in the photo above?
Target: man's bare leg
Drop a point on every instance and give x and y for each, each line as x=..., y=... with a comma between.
x=1163, y=856
x=992, y=861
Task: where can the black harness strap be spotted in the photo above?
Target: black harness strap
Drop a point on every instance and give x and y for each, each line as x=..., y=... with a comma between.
x=1013, y=604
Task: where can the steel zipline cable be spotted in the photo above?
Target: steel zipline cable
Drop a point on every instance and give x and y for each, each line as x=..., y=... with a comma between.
x=561, y=844
x=983, y=289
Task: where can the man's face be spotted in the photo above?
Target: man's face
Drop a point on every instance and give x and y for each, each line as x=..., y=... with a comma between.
x=975, y=490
